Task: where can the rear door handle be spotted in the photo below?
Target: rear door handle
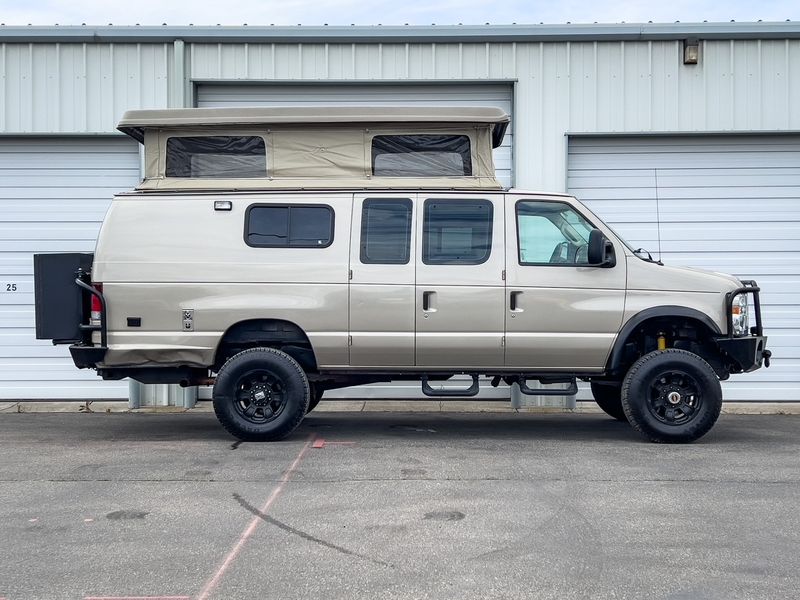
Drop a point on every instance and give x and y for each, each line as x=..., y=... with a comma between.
x=429, y=301
x=513, y=302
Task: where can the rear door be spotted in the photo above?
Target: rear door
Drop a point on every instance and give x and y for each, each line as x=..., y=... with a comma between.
x=460, y=289
x=382, y=260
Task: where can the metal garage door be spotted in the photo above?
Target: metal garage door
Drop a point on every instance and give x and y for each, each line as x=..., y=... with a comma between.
x=366, y=95
x=726, y=203
x=53, y=195
x=211, y=95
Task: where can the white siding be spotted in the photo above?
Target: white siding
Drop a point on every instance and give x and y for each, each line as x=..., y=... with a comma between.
x=54, y=193
x=725, y=203
x=370, y=95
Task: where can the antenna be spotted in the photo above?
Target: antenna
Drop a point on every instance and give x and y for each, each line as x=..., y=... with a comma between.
x=658, y=216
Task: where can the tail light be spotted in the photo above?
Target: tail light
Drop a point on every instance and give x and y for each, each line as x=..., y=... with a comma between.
x=96, y=308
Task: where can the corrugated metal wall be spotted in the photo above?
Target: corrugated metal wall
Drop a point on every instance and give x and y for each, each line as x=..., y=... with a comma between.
x=80, y=88
x=560, y=87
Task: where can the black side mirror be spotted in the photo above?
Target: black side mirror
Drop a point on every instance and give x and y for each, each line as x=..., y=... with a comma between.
x=600, y=251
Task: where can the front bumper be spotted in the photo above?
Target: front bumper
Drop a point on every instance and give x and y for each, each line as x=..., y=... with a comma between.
x=745, y=353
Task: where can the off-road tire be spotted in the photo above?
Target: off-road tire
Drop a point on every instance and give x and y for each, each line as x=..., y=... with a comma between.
x=684, y=375
x=316, y=395
x=609, y=397
x=277, y=373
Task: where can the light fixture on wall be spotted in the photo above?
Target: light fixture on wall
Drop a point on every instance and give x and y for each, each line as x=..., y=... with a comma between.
x=691, y=51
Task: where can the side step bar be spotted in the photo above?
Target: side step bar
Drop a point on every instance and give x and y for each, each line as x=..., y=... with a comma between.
x=470, y=391
x=521, y=381
x=569, y=391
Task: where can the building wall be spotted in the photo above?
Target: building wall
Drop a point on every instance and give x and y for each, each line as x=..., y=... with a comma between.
x=560, y=87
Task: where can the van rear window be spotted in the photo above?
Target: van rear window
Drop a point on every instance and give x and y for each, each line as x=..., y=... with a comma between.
x=421, y=156
x=216, y=157
x=293, y=226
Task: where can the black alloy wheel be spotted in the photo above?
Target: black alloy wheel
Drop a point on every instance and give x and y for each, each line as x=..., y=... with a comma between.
x=261, y=395
x=671, y=396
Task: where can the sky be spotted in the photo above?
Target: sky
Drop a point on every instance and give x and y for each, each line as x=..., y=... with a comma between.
x=387, y=12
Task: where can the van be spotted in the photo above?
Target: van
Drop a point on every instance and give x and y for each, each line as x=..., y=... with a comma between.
x=277, y=253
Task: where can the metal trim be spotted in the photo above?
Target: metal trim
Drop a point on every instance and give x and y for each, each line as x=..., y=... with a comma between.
x=403, y=33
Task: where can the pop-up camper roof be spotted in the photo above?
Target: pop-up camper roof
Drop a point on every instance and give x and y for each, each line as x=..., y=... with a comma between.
x=318, y=147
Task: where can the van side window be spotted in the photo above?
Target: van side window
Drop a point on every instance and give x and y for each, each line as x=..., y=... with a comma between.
x=216, y=157
x=386, y=231
x=295, y=226
x=551, y=233
x=421, y=156
x=457, y=232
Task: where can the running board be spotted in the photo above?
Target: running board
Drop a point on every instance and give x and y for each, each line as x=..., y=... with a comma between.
x=470, y=391
x=569, y=391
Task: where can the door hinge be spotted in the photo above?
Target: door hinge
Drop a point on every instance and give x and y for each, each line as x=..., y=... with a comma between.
x=349, y=340
x=503, y=341
x=350, y=275
x=503, y=275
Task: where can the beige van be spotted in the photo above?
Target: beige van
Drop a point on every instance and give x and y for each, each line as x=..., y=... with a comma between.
x=276, y=253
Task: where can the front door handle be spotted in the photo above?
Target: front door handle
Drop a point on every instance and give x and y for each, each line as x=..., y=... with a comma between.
x=513, y=302
x=429, y=301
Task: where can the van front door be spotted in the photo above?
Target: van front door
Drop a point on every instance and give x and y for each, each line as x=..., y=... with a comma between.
x=460, y=287
x=382, y=256
x=562, y=313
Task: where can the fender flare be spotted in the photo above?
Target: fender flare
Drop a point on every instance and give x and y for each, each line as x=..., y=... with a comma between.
x=615, y=358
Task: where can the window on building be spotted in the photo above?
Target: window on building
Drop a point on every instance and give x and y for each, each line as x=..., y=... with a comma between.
x=296, y=226
x=457, y=232
x=421, y=156
x=216, y=157
x=551, y=233
x=386, y=231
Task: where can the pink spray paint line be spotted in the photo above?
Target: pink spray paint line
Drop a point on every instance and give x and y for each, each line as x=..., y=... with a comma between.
x=212, y=584
x=320, y=443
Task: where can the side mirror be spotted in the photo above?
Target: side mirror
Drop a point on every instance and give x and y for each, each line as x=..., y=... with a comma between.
x=600, y=251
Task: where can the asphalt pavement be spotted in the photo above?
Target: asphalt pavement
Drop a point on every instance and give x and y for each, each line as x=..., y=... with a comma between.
x=393, y=505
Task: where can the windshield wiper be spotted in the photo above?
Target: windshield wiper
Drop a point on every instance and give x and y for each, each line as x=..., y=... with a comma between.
x=639, y=251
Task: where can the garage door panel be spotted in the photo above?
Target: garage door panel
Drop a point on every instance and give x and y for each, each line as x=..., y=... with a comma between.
x=54, y=193
x=725, y=203
x=678, y=160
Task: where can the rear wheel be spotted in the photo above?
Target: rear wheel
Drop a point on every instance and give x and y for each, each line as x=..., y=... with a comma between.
x=608, y=396
x=261, y=395
x=671, y=396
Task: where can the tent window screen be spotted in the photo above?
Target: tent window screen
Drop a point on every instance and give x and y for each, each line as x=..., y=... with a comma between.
x=289, y=226
x=216, y=157
x=457, y=232
x=421, y=156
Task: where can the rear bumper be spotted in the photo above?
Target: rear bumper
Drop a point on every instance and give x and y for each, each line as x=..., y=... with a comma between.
x=87, y=357
x=745, y=353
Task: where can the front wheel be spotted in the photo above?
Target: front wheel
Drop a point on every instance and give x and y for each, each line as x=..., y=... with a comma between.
x=671, y=396
x=261, y=395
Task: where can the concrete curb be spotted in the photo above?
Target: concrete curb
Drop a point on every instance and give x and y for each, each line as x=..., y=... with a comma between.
x=404, y=406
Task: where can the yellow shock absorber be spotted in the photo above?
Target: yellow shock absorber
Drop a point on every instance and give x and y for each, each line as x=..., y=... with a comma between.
x=662, y=342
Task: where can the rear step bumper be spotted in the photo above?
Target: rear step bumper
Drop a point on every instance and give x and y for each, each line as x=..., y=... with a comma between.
x=87, y=357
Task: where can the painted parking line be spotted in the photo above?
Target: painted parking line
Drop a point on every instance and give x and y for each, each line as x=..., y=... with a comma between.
x=320, y=443
x=213, y=582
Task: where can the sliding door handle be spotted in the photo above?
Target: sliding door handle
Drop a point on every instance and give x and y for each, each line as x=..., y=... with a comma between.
x=429, y=301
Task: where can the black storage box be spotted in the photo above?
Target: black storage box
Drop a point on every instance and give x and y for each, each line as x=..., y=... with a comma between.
x=60, y=303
